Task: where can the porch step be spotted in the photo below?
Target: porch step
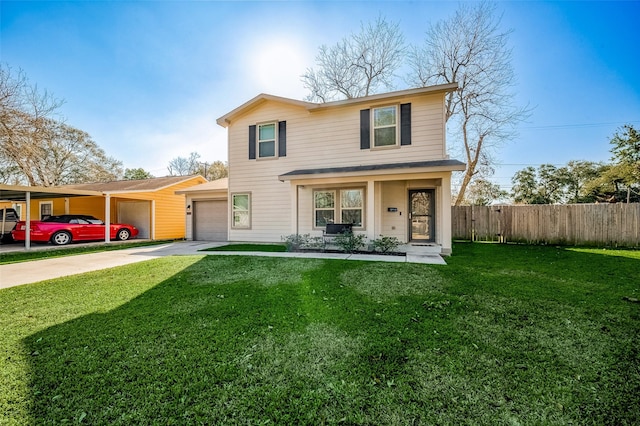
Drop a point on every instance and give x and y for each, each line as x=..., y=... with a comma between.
x=424, y=249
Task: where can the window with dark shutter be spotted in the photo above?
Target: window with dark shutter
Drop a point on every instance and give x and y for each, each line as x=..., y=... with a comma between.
x=252, y=142
x=282, y=139
x=365, y=131
x=405, y=124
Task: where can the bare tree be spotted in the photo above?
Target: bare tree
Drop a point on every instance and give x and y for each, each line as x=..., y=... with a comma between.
x=181, y=166
x=357, y=65
x=470, y=49
x=36, y=147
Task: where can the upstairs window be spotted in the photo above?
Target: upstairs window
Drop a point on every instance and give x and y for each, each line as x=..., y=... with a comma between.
x=385, y=128
x=267, y=140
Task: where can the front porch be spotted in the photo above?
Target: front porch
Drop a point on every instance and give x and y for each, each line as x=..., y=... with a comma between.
x=410, y=202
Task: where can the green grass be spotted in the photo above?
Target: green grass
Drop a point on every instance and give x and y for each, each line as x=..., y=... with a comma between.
x=502, y=335
x=47, y=252
x=250, y=247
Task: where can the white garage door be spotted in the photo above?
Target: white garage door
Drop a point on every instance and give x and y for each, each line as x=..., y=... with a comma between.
x=138, y=214
x=210, y=220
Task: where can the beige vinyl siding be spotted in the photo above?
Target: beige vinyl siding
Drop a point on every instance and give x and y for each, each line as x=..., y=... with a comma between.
x=320, y=139
x=394, y=224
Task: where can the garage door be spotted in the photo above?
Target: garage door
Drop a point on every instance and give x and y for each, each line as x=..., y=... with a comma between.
x=210, y=220
x=138, y=214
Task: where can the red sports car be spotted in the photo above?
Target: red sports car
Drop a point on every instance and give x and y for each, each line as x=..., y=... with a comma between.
x=66, y=228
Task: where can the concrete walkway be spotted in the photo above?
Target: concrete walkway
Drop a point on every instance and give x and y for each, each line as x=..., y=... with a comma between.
x=14, y=274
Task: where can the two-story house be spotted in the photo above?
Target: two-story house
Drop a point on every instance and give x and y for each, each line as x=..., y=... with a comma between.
x=379, y=162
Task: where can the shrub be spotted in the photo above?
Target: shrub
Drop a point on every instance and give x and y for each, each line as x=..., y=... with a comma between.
x=295, y=241
x=349, y=242
x=385, y=244
x=305, y=241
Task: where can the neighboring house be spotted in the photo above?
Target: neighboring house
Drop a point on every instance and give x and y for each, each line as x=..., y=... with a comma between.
x=379, y=162
x=150, y=204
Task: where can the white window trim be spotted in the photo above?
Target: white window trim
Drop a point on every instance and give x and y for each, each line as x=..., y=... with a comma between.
x=275, y=140
x=315, y=209
x=233, y=225
x=44, y=203
x=396, y=125
x=337, y=209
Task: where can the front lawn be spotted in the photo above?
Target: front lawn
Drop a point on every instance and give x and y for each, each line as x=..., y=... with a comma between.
x=504, y=334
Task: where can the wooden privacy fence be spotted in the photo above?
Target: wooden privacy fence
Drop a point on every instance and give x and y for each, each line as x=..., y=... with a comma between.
x=572, y=224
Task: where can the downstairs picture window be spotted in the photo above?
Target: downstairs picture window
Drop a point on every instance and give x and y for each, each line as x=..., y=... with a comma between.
x=241, y=211
x=338, y=206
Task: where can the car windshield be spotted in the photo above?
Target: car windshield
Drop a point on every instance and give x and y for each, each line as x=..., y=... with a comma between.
x=79, y=219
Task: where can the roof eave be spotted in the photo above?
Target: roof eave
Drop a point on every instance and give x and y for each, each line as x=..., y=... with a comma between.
x=430, y=90
x=333, y=173
x=226, y=119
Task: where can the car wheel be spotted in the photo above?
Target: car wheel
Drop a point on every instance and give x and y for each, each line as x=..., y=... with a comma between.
x=61, y=238
x=123, y=234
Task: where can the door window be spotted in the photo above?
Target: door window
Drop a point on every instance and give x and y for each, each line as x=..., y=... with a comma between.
x=422, y=216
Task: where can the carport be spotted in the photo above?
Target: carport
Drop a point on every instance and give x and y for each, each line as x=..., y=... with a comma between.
x=27, y=193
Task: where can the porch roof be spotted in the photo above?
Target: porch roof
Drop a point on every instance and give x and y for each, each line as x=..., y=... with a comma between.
x=416, y=166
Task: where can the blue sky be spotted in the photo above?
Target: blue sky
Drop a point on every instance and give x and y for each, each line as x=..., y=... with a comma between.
x=148, y=79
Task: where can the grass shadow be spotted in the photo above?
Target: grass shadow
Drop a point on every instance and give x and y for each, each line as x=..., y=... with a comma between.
x=500, y=335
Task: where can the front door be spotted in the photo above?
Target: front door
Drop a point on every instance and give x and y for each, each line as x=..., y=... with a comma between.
x=422, y=215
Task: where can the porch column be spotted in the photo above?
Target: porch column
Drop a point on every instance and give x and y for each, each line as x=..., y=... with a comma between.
x=445, y=227
x=293, y=188
x=371, y=210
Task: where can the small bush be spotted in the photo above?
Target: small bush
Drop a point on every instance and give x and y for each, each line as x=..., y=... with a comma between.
x=385, y=244
x=296, y=242
x=349, y=242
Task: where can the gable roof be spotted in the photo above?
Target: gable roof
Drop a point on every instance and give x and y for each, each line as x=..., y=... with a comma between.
x=138, y=185
x=228, y=118
x=221, y=184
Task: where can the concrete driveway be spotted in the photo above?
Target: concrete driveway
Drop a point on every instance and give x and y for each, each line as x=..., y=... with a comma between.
x=33, y=271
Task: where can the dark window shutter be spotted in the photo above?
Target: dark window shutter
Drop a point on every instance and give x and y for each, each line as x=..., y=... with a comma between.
x=282, y=139
x=252, y=142
x=365, y=131
x=405, y=124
